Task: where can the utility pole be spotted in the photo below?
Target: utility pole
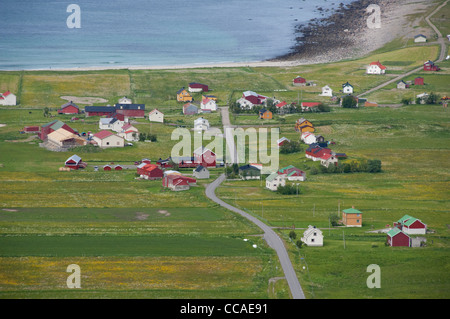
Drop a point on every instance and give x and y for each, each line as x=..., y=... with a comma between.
x=343, y=237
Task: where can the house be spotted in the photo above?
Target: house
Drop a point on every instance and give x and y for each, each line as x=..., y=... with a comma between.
x=299, y=81
x=208, y=104
x=316, y=152
x=282, y=141
x=292, y=173
x=201, y=124
x=190, y=109
x=265, y=114
x=111, y=123
x=129, y=133
x=419, y=81
x=53, y=126
x=99, y=111
x=422, y=98
x=7, y=98
x=402, y=85
x=184, y=96
x=302, y=125
x=61, y=138
x=249, y=172
x=376, y=68
x=197, y=87
x=250, y=99
x=312, y=237
x=420, y=38
x=69, y=108
x=125, y=100
x=211, y=97
x=200, y=172
x=397, y=238
x=75, y=162
x=106, y=139
x=309, y=106
x=327, y=159
x=347, y=88
x=131, y=110
x=149, y=171
x=352, y=217
x=326, y=91
x=156, y=116
x=308, y=138
x=205, y=157
x=274, y=180
x=177, y=182
x=411, y=225
x=430, y=66
x=282, y=107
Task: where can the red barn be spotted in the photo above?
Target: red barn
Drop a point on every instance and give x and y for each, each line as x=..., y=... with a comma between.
x=397, y=238
x=53, y=126
x=107, y=167
x=419, y=81
x=299, y=81
x=198, y=87
x=131, y=110
x=253, y=97
x=150, y=171
x=31, y=129
x=69, y=108
x=430, y=66
x=205, y=157
x=99, y=111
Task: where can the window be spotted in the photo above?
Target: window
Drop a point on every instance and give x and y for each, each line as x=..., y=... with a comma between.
x=107, y=143
x=357, y=221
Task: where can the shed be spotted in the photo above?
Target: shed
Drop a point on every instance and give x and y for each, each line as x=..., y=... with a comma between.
x=396, y=238
x=419, y=81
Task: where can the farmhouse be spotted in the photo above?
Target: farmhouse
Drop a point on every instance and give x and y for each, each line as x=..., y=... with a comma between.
x=274, y=180
x=352, y=217
x=326, y=91
x=106, y=139
x=99, y=111
x=411, y=225
x=53, y=126
x=430, y=66
x=208, y=105
x=201, y=124
x=205, y=157
x=265, y=114
x=200, y=172
x=396, y=238
x=420, y=38
x=69, y=108
x=327, y=159
x=299, y=81
x=376, y=68
x=75, y=162
x=316, y=152
x=190, y=109
x=197, y=87
x=184, y=96
x=177, y=182
x=302, y=125
x=129, y=133
x=292, y=173
x=347, y=88
x=156, y=116
x=249, y=172
x=149, y=171
x=309, y=106
x=312, y=237
x=61, y=138
x=250, y=99
x=7, y=98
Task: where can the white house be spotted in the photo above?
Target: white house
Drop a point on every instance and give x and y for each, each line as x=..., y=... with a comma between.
x=130, y=133
x=326, y=91
x=401, y=85
x=7, y=98
x=347, y=88
x=201, y=124
x=200, y=172
x=125, y=100
x=420, y=38
x=156, y=116
x=111, y=123
x=313, y=236
x=105, y=139
x=376, y=68
x=208, y=104
x=308, y=138
x=274, y=180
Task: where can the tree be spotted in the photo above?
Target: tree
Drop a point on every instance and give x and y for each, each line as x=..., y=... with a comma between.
x=334, y=219
x=290, y=147
x=374, y=166
x=299, y=243
x=323, y=108
x=349, y=102
x=46, y=112
x=431, y=99
x=292, y=235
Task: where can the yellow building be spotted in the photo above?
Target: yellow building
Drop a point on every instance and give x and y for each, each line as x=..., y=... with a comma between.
x=352, y=217
x=303, y=126
x=184, y=96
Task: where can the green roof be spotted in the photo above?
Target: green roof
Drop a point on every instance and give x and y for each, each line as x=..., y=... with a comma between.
x=394, y=231
x=404, y=218
x=410, y=221
x=351, y=211
x=272, y=176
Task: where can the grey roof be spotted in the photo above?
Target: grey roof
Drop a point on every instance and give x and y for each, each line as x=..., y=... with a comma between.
x=130, y=106
x=110, y=109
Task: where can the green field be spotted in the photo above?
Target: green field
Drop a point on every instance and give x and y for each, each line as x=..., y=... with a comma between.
x=133, y=239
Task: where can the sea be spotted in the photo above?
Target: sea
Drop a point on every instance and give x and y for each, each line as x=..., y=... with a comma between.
x=55, y=34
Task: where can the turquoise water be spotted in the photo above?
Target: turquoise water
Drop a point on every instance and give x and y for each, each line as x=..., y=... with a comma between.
x=34, y=33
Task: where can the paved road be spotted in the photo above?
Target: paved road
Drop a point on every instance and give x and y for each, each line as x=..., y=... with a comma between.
x=442, y=54
x=229, y=137
x=270, y=237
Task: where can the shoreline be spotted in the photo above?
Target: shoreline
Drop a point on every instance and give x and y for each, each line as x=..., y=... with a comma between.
x=343, y=35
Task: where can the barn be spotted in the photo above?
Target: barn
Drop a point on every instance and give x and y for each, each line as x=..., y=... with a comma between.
x=75, y=162
x=430, y=66
x=411, y=225
x=205, y=157
x=299, y=81
x=69, y=108
x=150, y=171
x=396, y=238
x=53, y=126
x=419, y=81
x=197, y=87
x=131, y=110
x=99, y=111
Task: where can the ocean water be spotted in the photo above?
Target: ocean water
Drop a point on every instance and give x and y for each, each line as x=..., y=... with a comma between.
x=34, y=33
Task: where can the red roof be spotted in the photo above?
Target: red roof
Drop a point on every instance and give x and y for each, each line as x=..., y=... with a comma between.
x=281, y=104
x=379, y=65
x=103, y=134
x=310, y=104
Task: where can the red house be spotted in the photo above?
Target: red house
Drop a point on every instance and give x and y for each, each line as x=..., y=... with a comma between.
x=53, y=126
x=299, y=81
x=430, y=66
x=69, y=108
x=419, y=81
x=178, y=182
x=205, y=157
x=150, y=171
x=198, y=87
x=253, y=97
x=396, y=238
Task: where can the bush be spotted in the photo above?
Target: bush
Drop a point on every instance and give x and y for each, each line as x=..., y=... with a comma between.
x=299, y=243
x=290, y=147
x=349, y=102
x=288, y=190
x=292, y=235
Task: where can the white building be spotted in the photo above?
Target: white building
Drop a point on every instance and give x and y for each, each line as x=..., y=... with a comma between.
x=201, y=124
x=326, y=91
x=376, y=68
x=111, y=123
x=208, y=105
x=129, y=133
x=274, y=180
x=7, y=98
x=125, y=100
x=313, y=236
x=347, y=88
x=156, y=116
x=420, y=38
x=106, y=139
x=308, y=138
